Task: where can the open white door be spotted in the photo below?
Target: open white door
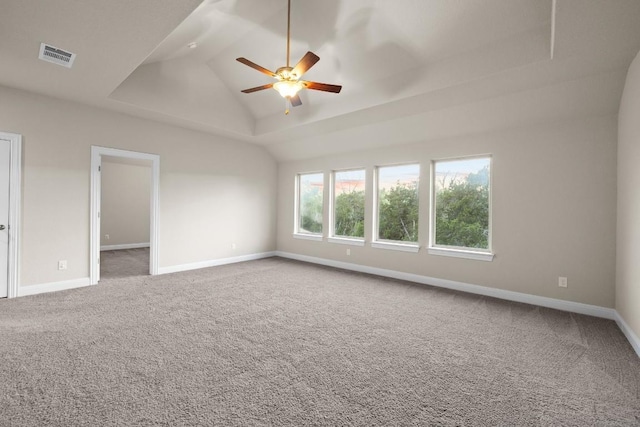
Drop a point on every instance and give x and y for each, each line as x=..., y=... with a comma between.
x=5, y=170
x=10, y=161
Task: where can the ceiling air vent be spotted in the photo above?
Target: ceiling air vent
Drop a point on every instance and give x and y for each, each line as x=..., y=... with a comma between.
x=57, y=56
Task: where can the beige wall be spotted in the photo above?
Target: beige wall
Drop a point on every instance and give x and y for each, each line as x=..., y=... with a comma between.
x=628, y=243
x=214, y=192
x=554, y=199
x=554, y=208
x=125, y=206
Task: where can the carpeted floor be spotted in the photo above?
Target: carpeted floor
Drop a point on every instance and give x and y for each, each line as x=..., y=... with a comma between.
x=124, y=263
x=279, y=342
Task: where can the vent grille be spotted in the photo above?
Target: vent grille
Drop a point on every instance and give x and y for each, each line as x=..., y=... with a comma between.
x=56, y=56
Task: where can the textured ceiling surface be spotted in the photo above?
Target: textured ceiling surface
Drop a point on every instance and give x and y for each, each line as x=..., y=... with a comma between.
x=410, y=69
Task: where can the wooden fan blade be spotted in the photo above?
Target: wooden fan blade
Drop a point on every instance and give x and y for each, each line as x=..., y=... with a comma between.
x=255, y=66
x=307, y=61
x=295, y=101
x=257, y=88
x=322, y=86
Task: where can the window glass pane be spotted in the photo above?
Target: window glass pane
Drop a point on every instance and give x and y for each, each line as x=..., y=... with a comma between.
x=462, y=203
x=311, y=187
x=398, y=203
x=348, y=220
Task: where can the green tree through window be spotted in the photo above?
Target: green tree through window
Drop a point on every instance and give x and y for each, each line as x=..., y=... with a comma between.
x=311, y=191
x=349, y=203
x=462, y=203
x=398, y=203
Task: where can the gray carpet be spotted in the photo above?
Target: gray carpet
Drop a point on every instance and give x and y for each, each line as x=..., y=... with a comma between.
x=124, y=263
x=278, y=342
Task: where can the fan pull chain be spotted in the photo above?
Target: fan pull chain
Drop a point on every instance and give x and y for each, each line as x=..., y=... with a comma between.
x=287, y=105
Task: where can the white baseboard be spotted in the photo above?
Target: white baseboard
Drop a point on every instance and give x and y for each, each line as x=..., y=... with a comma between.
x=53, y=286
x=86, y=281
x=124, y=246
x=214, y=262
x=628, y=332
x=574, y=307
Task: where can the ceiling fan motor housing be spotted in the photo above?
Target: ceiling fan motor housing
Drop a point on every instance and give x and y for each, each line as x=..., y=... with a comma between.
x=286, y=73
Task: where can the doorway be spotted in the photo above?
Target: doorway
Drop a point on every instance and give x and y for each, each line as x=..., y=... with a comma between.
x=10, y=173
x=124, y=217
x=112, y=155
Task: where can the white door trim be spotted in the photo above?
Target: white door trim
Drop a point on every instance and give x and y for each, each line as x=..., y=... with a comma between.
x=96, y=188
x=15, y=175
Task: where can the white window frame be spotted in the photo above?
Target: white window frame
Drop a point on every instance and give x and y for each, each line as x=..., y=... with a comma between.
x=333, y=238
x=298, y=233
x=456, y=251
x=393, y=245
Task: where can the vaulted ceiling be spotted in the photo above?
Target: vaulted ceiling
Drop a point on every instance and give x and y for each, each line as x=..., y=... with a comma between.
x=411, y=70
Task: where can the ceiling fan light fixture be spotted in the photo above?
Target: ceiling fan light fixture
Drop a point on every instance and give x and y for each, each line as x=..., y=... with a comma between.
x=288, y=88
x=289, y=83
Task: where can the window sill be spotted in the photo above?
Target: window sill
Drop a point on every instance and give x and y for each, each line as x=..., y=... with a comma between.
x=404, y=247
x=346, y=241
x=461, y=253
x=316, y=237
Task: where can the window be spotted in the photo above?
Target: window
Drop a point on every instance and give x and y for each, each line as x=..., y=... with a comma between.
x=461, y=204
x=348, y=203
x=310, y=195
x=397, y=208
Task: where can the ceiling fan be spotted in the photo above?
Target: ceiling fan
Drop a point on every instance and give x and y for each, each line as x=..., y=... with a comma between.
x=289, y=83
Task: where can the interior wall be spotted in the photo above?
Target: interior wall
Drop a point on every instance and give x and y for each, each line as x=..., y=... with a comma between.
x=553, y=203
x=628, y=232
x=214, y=192
x=125, y=205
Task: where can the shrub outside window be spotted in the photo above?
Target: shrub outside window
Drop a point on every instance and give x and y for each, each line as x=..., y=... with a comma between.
x=461, y=204
x=397, y=210
x=310, y=200
x=348, y=203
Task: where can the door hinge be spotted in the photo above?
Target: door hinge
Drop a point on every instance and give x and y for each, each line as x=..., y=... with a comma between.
x=99, y=168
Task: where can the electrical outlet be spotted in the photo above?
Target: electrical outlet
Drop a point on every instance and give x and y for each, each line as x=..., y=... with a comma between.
x=106, y=237
x=62, y=264
x=233, y=246
x=348, y=251
x=562, y=282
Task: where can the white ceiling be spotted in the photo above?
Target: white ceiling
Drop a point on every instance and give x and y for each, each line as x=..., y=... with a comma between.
x=411, y=70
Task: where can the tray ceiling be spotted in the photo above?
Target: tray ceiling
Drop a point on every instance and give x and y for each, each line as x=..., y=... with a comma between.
x=406, y=61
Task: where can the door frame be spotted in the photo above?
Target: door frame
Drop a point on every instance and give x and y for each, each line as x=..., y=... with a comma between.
x=96, y=193
x=15, y=185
